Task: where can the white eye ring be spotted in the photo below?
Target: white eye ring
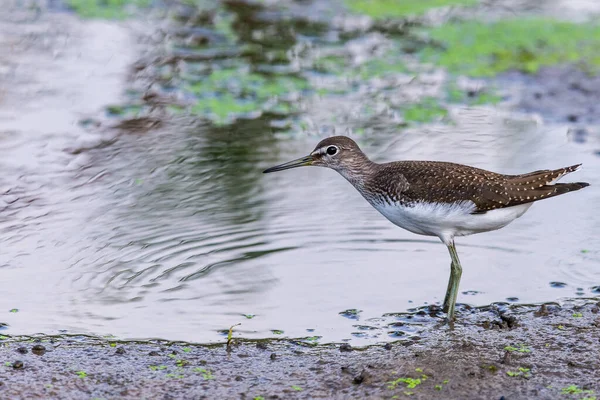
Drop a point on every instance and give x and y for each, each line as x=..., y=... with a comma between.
x=332, y=150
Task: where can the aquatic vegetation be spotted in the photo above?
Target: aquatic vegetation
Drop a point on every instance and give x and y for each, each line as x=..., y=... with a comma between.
x=351, y=313
x=186, y=349
x=574, y=389
x=521, y=349
x=411, y=383
x=492, y=368
x=331, y=63
x=277, y=332
x=577, y=315
x=395, y=8
x=522, y=372
x=525, y=44
x=14, y=310
x=249, y=316
x=230, y=334
x=157, y=367
x=226, y=93
x=313, y=339
x=474, y=98
x=182, y=362
x=130, y=110
x=426, y=110
x=81, y=374
x=379, y=67
x=206, y=374
x=110, y=9
x=297, y=388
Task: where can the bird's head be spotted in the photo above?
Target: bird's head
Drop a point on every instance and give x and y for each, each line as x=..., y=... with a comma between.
x=337, y=152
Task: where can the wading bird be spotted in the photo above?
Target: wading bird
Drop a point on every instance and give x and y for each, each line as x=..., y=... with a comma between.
x=438, y=198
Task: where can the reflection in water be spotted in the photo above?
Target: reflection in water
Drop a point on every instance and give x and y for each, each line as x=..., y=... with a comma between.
x=176, y=233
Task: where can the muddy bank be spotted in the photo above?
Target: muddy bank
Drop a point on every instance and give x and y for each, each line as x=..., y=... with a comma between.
x=545, y=352
x=561, y=94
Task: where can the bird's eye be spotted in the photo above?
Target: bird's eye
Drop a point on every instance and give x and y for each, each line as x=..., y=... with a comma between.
x=331, y=150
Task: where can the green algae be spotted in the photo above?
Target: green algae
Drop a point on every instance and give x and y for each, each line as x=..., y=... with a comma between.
x=107, y=9
x=525, y=44
x=473, y=98
x=227, y=93
x=380, y=67
x=411, y=383
x=395, y=8
x=331, y=64
x=127, y=110
x=427, y=110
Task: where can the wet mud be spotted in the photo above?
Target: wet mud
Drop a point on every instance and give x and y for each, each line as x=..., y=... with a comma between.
x=499, y=352
x=561, y=94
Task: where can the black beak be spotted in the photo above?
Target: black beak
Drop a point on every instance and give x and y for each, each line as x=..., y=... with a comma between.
x=301, y=162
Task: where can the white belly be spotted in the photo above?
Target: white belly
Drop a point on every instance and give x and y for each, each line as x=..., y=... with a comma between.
x=449, y=220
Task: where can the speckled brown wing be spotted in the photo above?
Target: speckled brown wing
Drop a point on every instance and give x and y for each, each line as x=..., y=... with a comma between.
x=449, y=183
x=539, y=185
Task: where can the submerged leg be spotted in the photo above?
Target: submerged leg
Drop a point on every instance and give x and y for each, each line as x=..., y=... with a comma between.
x=455, y=274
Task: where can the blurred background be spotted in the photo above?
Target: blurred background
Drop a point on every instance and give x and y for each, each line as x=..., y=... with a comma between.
x=133, y=134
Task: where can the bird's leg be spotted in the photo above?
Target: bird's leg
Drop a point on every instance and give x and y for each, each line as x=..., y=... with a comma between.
x=455, y=274
x=449, y=290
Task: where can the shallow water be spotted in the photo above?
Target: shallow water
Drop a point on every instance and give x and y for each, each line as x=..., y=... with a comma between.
x=175, y=233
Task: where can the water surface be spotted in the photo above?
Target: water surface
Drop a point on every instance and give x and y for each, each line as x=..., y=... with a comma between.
x=175, y=233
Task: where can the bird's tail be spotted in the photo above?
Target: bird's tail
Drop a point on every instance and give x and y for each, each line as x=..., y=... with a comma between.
x=541, y=184
x=569, y=187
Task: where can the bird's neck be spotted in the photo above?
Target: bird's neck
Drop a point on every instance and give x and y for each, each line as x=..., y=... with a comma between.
x=358, y=170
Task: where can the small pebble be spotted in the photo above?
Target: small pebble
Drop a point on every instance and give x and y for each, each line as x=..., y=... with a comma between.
x=363, y=376
x=153, y=353
x=120, y=350
x=22, y=350
x=17, y=364
x=261, y=346
x=38, y=350
x=387, y=346
x=273, y=356
x=542, y=312
x=345, y=347
x=507, y=359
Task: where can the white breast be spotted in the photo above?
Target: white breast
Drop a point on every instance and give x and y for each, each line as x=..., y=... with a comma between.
x=448, y=220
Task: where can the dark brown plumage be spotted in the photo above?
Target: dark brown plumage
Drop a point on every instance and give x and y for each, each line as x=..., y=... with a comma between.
x=441, y=182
